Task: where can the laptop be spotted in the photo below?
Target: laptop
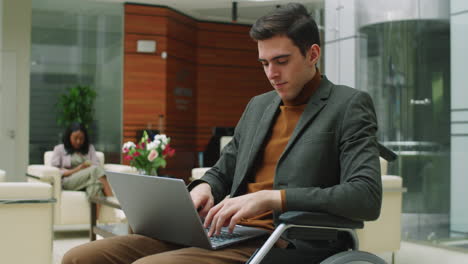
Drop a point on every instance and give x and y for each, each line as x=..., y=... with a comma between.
x=161, y=208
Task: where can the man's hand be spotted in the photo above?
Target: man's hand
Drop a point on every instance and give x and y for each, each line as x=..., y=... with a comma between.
x=231, y=210
x=202, y=198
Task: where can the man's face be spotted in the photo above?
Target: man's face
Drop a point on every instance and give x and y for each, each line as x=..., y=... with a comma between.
x=285, y=67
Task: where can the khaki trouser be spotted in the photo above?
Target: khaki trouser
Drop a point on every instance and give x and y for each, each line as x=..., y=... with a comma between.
x=87, y=179
x=138, y=249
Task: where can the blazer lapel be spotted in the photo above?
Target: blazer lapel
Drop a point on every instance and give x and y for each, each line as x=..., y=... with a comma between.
x=316, y=102
x=261, y=132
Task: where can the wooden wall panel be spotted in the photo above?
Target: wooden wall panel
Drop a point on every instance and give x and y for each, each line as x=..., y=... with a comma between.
x=185, y=32
x=181, y=104
x=225, y=40
x=182, y=50
x=180, y=117
x=224, y=27
x=227, y=57
x=144, y=74
x=210, y=74
x=180, y=94
x=144, y=93
x=223, y=93
x=228, y=76
x=147, y=25
x=145, y=10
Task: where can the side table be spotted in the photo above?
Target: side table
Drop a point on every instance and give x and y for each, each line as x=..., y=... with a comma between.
x=105, y=230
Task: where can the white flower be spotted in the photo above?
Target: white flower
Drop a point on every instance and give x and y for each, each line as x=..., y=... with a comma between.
x=162, y=138
x=152, y=145
x=158, y=142
x=127, y=146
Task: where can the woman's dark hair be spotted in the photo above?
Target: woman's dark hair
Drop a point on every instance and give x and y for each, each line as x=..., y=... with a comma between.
x=291, y=20
x=66, y=139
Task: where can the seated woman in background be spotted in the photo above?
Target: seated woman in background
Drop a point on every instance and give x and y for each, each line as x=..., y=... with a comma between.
x=78, y=163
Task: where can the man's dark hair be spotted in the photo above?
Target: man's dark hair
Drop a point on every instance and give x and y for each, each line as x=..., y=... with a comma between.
x=66, y=139
x=291, y=20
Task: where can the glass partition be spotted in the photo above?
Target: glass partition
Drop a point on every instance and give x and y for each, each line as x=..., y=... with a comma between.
x=76, y=45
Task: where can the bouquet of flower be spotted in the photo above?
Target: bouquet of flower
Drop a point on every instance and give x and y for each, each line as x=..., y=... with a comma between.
x=148, y=155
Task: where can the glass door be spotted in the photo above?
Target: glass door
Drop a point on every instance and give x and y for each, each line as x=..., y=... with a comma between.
x=405, y=66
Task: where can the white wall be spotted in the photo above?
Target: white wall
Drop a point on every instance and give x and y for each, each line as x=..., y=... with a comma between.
x=14, y=99
x=459, y=115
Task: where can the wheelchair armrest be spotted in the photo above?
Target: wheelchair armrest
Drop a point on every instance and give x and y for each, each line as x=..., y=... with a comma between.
x=324, y=227
x=318, y=219
x=386, y=153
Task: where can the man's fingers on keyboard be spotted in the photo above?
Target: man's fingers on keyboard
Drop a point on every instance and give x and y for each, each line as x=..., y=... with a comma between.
x=235, y=219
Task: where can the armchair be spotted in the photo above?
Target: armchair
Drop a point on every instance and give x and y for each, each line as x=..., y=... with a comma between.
x=72, y=208
x=26, y=222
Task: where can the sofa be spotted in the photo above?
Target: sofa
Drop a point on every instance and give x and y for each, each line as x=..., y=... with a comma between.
x=72, y=209
x=26, y=211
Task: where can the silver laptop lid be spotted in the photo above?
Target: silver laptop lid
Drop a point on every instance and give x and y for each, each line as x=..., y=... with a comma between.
x=160, y=208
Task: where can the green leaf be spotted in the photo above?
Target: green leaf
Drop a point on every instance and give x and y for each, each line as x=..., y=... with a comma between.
x=76, y=105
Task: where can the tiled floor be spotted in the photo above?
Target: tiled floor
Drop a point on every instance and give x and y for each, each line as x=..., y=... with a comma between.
x=66, y=240
x=413, y=253
x=410, y=253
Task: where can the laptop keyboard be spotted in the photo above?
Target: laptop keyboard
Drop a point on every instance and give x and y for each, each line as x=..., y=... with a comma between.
x=223, y=236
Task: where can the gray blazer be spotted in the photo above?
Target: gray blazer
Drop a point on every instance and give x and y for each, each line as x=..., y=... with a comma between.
x=330, y=164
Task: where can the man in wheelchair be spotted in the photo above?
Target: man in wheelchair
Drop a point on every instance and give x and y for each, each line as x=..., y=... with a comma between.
x=309, y=145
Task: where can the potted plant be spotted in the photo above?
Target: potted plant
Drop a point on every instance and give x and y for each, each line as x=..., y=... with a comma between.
x=77, y=105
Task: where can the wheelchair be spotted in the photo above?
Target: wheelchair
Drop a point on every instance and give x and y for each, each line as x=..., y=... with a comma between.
x=317, y=227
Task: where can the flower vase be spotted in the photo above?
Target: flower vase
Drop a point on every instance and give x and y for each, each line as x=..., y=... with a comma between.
x=152, y=172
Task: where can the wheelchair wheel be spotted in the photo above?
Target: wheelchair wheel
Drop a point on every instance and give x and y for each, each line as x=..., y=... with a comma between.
x=353, y=257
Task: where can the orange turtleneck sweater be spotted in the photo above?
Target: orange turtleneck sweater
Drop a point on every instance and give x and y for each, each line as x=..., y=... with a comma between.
x=286, y=121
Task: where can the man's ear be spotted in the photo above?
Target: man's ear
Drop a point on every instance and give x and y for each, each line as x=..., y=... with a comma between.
x=314, y=54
